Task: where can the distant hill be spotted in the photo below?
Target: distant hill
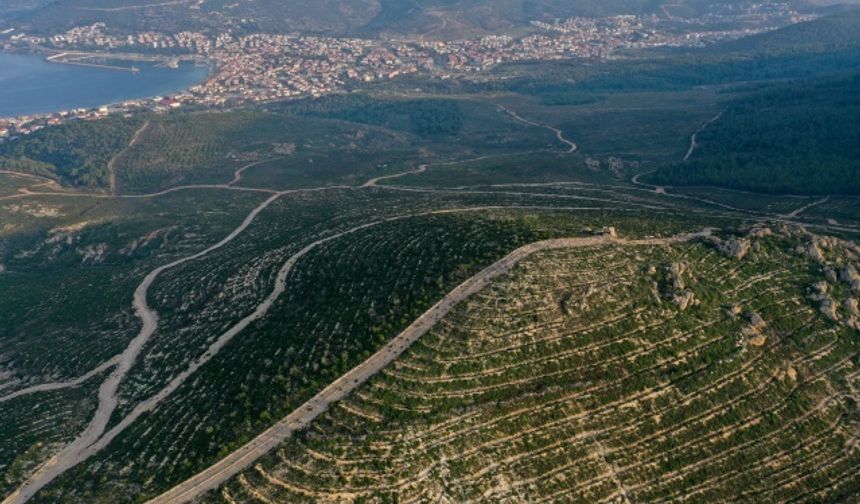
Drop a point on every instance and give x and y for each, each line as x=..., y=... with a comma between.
x=13, y=7
x=413, y=17
x=833, y=32
x=439, y=18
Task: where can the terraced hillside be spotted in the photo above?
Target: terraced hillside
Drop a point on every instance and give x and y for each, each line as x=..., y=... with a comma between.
x=221, y=296
x=713, y=370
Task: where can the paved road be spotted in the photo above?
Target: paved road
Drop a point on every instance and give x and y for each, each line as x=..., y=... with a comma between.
x=217, y=474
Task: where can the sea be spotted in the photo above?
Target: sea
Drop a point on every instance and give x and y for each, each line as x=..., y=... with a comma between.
x=31, y=85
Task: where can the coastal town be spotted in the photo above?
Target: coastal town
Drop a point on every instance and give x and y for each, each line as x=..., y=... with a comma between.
x=258, y=68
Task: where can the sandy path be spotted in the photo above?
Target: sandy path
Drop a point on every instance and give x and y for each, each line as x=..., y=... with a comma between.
x=42, y=181
x=139, y=196
x=94, y=437
x=237, y=177
x=242, y=458
x=136, y=7
x=111, y=166
x=81, y=447
x=662, y=191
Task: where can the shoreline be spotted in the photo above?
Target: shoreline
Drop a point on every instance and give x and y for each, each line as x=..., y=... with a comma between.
x=113, y=62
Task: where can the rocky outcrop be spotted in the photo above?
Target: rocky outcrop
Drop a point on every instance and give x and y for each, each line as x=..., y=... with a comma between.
x=753, y=330
x=736, y=248
x=676, y=275
x=850, y=276
x=828, y=309
x=760, y=232
x=685, y=299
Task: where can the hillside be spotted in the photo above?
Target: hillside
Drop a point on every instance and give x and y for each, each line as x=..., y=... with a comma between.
x=531, y=283
x=633, y=372
x=834, y=32
x=799, y=137
x=441, y=18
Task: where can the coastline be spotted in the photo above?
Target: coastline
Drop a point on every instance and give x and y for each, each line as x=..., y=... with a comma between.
x=133, y=86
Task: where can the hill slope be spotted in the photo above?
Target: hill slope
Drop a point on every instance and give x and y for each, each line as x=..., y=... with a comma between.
x=798, y=137
x=446, y=18
x=833, y=32
x=581, y=377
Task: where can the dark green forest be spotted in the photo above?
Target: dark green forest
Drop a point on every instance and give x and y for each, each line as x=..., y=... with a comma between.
x=75, y=154
x=419, y=116
x=835, y=32
x=800, y=137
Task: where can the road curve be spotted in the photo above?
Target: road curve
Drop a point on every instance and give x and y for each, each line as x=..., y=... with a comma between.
x=375, y=181
x=79, y=449
x=558, y=133
x=237, y=175
x=217, y=474
x=94, y=438
x=47, y=387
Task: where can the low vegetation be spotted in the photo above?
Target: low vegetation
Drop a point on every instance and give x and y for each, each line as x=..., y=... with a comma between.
x=585, y=376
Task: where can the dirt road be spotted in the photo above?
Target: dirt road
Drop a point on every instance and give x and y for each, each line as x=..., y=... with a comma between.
x=242, y=458
x=558, y=133
x=94, y=438
x=82, y=446
x=237, y=175
x=375, y=181
x=795, y=213
x=111, y=166
x=47, y=387
x=693, y=138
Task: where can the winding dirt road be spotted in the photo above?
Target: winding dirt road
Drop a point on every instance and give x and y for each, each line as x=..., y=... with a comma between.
x=242, y=458
x=375, y=181
x=94, y=438
x=237, y=175
x=82, y=446
x=558, y=133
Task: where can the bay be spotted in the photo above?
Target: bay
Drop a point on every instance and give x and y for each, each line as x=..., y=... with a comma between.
x=31, y=85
